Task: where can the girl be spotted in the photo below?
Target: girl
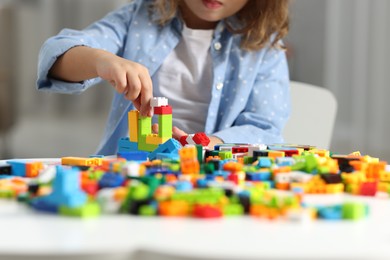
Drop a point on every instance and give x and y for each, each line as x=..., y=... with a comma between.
x=219, y=62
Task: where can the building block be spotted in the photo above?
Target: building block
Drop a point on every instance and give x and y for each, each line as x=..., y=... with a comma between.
x=164, y=110
x=144, y=126
x=23, y=168
x=134, y=155
x=125, y=145
x=66, y=189
x=91, y=209
x=111, y=180
x=133, y=117
x=156, y=139
x=201, y=138
x=354, y=210
x=183, y=140
x=80, y=161
x=159, y=102
x=144, y=146
x=171, y=146
x=165, y=126
x=5, y=169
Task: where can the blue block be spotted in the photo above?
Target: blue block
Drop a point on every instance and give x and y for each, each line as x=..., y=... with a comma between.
x=157, y=170
x=66, y=189
x=172, y=156
x=331, y=212
x=264, y=162
x=111, y=180
x=183, y=186
x=125, y=145
x=134, y=155
x=285, y=161
x=201, y=183
x=222, y=173
x=42, y=205
x=18, y=168
x=171, y=146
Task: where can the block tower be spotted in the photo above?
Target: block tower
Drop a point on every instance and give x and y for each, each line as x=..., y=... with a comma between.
x=141, y=137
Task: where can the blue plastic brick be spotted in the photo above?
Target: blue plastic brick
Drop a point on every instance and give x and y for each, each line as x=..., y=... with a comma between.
x=111, y=180
x=18, y=168
x=264, y=162
x=41, y=204
x=134, y=155
x=66, y=189
x=171, y=146
x=125, y=145
x=183, y=186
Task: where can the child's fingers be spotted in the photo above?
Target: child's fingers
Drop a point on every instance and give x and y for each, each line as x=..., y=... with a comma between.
x=155, y=128
x=146, y=94
x=119, y=82
x=177, y=133
x=134, y=86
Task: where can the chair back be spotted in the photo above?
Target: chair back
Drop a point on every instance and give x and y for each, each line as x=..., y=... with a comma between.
x=313, y=116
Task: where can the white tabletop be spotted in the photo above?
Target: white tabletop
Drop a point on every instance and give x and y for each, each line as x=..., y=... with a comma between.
x=27, y=233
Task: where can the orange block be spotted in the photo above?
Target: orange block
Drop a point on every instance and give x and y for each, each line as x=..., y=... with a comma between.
x=174, y=208
x=33, y=169
x=282, y=186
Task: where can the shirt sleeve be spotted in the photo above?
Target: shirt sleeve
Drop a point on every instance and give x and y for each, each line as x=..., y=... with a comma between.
x=108, y=34
x=268, y=106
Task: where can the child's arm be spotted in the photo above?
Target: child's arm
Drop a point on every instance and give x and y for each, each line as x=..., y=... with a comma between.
x=132, y=79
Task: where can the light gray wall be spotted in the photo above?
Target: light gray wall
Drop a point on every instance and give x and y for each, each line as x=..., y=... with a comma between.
x=307, y=41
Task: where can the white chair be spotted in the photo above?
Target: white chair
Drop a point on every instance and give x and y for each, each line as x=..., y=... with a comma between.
x=313, y=115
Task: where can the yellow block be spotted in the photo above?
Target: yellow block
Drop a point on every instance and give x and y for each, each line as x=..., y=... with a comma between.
x=155, y=139
x=133, y=125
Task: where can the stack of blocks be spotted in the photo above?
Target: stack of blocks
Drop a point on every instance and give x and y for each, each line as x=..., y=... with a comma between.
x=141, y=137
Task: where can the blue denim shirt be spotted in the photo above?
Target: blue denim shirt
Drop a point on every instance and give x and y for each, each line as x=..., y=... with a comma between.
x=250, y=99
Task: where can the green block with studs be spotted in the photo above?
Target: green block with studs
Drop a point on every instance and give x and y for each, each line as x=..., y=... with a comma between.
x=165, y=126
x=88, y=210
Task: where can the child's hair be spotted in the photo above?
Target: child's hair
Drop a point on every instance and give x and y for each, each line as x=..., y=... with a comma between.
x=261, y=21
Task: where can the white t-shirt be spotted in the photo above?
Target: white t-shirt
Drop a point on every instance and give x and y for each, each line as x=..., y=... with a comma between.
x=185, y=78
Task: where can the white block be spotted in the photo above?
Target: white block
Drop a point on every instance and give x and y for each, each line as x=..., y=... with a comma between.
x=159, y=102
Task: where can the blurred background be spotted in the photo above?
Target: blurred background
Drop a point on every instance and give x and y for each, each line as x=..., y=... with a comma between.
x=339, y=45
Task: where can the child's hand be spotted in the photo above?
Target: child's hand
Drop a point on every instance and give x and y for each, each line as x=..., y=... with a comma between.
x=129, y=78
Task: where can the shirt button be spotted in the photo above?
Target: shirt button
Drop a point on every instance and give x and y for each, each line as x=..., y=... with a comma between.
x=219, y=86
x=217, y=46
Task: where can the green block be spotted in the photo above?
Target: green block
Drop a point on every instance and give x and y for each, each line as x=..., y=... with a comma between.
x=143, y=146
x=165, y=126
x=256, y=195
x=311, y=163
x=248, y=159
x=233, y=210
x=225, y=155
x=90, y=209
x=139, y=192
x=7, y=194
x=147, y=210
x=354, y=210
x=199, y=150
x=209, y=167
x=144, y=126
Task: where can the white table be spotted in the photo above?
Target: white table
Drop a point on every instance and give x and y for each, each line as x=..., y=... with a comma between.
x=27, y=234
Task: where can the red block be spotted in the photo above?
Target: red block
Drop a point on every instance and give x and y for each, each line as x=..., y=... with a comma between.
x=201, y=138
x=163, y=110
x=233, y=177
x=368, y=188
x=238, y=149
x=183, y=140
x=207, y=211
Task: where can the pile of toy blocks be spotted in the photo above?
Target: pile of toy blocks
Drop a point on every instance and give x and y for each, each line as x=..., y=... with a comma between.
x=155, y=175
